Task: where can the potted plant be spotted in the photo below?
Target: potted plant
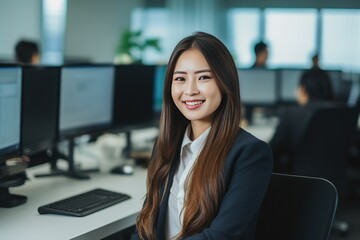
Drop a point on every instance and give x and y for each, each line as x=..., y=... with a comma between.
x=132, y=46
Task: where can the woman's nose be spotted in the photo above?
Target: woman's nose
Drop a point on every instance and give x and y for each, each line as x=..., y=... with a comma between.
x=191, y=88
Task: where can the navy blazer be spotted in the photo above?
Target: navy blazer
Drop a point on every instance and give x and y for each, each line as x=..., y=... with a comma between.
x=247, y=172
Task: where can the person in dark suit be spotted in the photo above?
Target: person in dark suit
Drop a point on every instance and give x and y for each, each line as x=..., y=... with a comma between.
x=261, y=55
x=318, y=73
x=313, y=92
x=315, y=61
x=27, y=52
x=207, y=177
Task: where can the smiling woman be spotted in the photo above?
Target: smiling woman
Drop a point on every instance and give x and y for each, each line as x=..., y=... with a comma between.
x=194, y=90
x=205, y=171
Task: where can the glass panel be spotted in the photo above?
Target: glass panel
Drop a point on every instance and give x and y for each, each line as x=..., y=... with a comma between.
x=341, y=39
x=154, y=24
x=244, y=32
x=291, y=36
x=53, y=31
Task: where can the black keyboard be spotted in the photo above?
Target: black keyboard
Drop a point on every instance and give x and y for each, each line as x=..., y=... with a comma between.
x=85, y=203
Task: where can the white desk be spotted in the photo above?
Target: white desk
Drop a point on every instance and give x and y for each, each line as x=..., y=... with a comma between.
x=262, y=127
x=263, y=132
x=24, y=222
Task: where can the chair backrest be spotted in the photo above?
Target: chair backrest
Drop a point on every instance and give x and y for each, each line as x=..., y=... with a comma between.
x=322, y=149
x=297, y=208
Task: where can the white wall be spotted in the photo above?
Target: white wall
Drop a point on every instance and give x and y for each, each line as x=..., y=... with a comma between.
x=94, y=27
x=18, y=19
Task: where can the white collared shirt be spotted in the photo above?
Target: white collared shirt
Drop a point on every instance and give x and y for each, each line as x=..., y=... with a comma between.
x=188, y=155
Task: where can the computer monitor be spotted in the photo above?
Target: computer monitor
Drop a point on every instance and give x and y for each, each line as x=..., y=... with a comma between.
x=39, y=112
x=86, y=99
x=353, y=99
x=10, y=110
x=336, y=82
x=134, y=95
x=10, y=114
x=86, y=107
x=289, y=80
x=160, y=72
x=258, y=86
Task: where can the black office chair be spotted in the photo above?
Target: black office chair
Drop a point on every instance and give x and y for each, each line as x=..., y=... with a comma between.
x=324, y=145
x=323, y=148
x=297, y=208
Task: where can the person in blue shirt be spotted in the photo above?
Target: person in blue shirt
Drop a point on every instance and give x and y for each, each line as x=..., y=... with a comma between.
x=207, y=176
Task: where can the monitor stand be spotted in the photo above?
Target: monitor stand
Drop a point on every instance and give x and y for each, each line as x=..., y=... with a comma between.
x=8, y=200
x=72, y=171
x=128, y=145
x=140, y=155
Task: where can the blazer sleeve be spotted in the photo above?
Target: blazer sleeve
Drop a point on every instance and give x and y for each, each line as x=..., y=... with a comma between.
x=248, y=170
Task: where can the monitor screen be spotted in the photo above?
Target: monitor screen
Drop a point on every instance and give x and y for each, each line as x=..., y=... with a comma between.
x=134, y=95
x=160, y=72
x=86, y=99
x=336, y=82
x=289, y=80
x=258, y=86
x=10, y=109
x=39, y=114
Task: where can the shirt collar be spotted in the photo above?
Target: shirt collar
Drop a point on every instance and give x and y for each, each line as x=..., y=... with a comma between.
x=197, y=144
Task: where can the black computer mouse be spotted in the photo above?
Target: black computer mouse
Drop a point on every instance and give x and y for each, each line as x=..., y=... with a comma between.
x=124, y=169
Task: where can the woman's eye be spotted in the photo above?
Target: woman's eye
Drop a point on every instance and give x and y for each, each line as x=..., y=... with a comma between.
x=204, y=77
x=179, y=79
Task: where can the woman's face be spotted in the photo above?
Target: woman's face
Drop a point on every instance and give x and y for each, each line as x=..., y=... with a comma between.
x=194, y=89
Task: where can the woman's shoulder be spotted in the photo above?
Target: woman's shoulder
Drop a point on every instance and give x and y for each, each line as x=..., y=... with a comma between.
x=248, y=150
x=246, y=142
x=245, y=137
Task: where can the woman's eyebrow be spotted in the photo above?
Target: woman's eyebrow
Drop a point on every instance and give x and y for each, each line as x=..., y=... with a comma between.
x=196, y=72
x=179, y=72
x=202, y=71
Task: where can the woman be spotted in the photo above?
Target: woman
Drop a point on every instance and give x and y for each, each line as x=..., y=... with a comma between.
x=207, y=177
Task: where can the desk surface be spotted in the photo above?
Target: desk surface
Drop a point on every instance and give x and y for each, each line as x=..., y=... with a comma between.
x=24, y=222
x=263, y=132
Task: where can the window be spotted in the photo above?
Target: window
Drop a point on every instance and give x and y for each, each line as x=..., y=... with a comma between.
x=53, y=31
x=244, y=30
x=340, y=48
x=291, y=36
x=154, y=24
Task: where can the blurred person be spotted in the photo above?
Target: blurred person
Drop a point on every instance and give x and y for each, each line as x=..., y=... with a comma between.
x=315, y=61
x=27, y=52
x=320, y=74
x=312, y=93
x=261, y=55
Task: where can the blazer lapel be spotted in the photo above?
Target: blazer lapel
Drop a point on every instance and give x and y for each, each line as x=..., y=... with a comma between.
x=160, y=228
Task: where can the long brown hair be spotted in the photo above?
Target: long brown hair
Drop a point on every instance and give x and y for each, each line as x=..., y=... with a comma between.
x=205, y=189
